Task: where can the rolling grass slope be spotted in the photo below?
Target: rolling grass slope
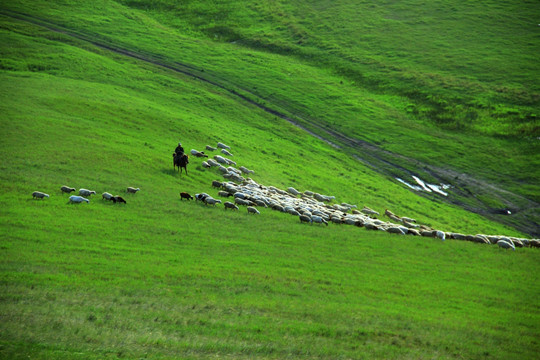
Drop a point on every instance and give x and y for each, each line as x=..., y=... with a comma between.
x=160, y=278
x=471, y=126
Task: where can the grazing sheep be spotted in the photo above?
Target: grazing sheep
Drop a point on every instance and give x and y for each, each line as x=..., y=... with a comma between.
x=217, y=184
x=212, y=162
x=86, y=192
x=441, y=235
x=197, y=153
x=395, y=230
x=293, y=191
x=66, y=189
x=370, y=226
x=224, y=194
x=457, y=236
x=185, y=195
x=39, y=195
x=201, y=196
x=252, y=210
x=223, y=146
x=211, y=201
x=132, y=190
x=106, y=196
x=77, y=199
x=206, y=165
x=240, y=201
x=230, y=205
x=245, y=170
x=118, y=199
x=223, y=151
x=305, y=218
x=208, y=147
x=319, y=220
x=368, y=211
x=506, y=245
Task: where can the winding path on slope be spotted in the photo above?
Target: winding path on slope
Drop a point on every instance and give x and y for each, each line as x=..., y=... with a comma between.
x=380, y=160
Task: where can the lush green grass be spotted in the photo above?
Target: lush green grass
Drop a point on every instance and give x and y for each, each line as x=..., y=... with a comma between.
x=161, y=278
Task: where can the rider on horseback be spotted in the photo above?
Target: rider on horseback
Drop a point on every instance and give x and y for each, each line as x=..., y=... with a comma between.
x=179, y=150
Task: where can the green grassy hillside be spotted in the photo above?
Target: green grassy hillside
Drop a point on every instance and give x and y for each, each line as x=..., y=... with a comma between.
x=161, y=278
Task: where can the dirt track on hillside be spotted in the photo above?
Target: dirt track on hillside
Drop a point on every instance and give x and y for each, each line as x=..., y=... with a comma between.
x=525, y=212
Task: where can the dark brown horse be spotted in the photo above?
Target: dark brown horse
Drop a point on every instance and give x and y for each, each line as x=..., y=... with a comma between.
x=181, y=161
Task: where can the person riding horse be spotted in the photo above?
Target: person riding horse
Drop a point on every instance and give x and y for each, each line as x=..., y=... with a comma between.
x=180, y=159
x=179, y=150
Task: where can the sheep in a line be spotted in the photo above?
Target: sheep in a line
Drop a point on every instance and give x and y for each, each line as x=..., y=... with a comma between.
x=211, y=201
x=224, y=194
x=86, y=192
x=208, y=147
x=197, y=153
x=225, y=152
x=212, y=162
x=74, y=199
x=319, y=220
x=201, y=197
x=305, y=218
x=223, y=146
x=66, y=189
x=245, y=170
x=118, y=199
x=369, y=211
x=293, y=191
x=132, y=190
x=206, y=164
x=106, y=196
x=311, y=208
x=217, y=184
x=252, y=210
x=39, y=195
x=506, y=245
x=229, y=205
x=185, y=195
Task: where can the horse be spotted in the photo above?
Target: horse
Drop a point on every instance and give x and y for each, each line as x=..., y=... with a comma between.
x=181, y=161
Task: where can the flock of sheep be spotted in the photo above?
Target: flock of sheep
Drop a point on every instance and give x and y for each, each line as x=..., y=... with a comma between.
x=84, y=194
x=311, y=207
x=308, y=206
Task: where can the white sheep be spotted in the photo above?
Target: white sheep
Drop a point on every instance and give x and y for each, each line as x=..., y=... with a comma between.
x=319, y=220
x=106, y=196
x=211, y=201
x=223, y=146
x=245, y=170
x=293, y=191
x=208, y=147
x=86, y=192
x=369, y=211
x=198, y=153
x=223, y=151
x=506, y=245
x=305, y=218
x=441, y=235
x=132, y=190
x=67, y=189
x=206, y=164
x=77, y=199
x=39, y=195
x=230, y=205
x=252, y=210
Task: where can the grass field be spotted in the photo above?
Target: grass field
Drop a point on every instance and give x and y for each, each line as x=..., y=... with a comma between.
x=161, y=278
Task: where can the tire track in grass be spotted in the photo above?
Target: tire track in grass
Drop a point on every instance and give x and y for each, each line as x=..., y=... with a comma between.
x=383, y=161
